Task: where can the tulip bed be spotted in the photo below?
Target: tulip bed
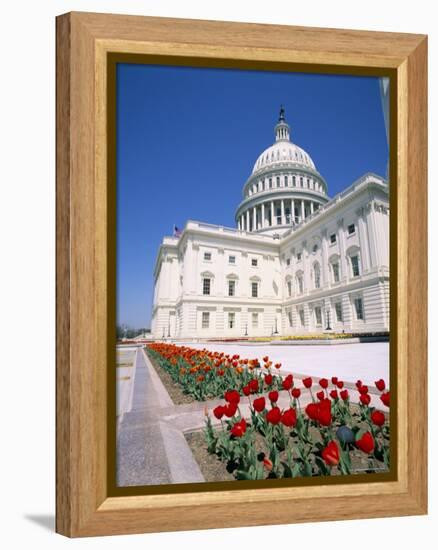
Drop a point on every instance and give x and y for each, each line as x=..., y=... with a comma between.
x=204, y=374
x=329, y=436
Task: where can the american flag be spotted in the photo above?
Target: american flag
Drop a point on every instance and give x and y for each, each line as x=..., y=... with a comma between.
x=176, y=232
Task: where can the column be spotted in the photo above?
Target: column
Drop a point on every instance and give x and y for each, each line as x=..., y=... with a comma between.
x=272, y=213
x=283, y=218
x=324, y=253
x=263, y=215
x=311, y=207
x=292, y=210
x=247, y=220
x=363, y=241
x=254, y=219
x=302, y=210
x=341, y=239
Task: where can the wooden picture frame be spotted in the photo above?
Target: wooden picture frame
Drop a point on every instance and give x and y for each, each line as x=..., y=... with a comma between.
x=85, y=212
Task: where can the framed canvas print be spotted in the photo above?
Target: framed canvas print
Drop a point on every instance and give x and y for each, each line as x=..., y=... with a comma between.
x=241, y=274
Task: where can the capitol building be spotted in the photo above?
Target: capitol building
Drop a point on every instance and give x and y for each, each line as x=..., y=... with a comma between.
x=297, y=262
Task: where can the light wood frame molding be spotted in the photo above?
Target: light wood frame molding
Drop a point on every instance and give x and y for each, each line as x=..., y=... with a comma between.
x=83, y=42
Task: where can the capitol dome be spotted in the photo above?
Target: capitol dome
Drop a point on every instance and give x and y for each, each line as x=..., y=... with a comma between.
x=284, y=187
x=281, y=153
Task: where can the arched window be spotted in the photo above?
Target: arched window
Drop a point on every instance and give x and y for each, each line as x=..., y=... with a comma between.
x=289, y=285
x=300, y=282
x=317, y=275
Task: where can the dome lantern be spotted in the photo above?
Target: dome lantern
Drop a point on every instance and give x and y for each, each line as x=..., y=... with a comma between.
x=282, y=128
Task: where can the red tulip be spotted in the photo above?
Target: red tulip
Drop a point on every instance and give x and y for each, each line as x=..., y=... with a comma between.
x=232, y=396
x=219, y=411
x=273, y=396
x=324, y=383
x=312, y=411
x=331, y=454
x=307, y=382
x=385, y=398
x=254, y=385
x=340, y=384
x=365, y=399
x=289, y=418
x=268, y=379
x=363, y=389
x=259, y=404
x=320, y=395
x=344, y=395
x=334, y=394
x=325, y=412
x=288, y=382
x=296, y=392
x=366, y=443
x=378, y=418
x=267, y=464
x=320, y=412
x=380, y=384
x=239, y=428
x=273, y=416
x=358, y=384
x=266, y=359
x=246, y=390
x=277, y=365
x=230, y=409
x=334, y=380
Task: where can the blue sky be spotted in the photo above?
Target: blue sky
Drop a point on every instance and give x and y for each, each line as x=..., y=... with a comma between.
x=187, y=139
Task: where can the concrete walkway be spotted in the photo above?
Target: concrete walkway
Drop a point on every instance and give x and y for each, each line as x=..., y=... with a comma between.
x=151, y=450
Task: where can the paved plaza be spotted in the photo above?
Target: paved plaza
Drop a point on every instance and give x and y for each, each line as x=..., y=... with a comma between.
x=350, y=362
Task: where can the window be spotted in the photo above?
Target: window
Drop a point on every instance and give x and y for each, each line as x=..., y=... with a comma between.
x=358, y=306
x=317, y=276
x=207, y=256
x=338, y=310
x=299, y=256
x=333, y=238
x=286, y=183
x=289, y=288
x=254, y=262
x=206, y=286
x=335, y=269
x=315, y=248
x=351, y=229
x=231, y=288
x=278, y=181
x=270, y=183
x=289, y=316
x=254, y=290
x=255, y=320
x=205, y=319
x=294, y=181
x=288, y=261
x=301, y=313
x=232, y=259
x=231, y=319
x=300, y=284
x=318, y=316
x=355, y=266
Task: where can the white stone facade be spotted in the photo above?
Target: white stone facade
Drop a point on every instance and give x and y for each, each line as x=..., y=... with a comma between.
x=297, y=263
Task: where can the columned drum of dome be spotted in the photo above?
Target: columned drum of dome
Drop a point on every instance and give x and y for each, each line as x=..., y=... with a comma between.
x=283, y=189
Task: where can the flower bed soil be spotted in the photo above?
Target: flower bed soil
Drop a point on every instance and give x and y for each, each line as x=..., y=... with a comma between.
x=175, y=392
